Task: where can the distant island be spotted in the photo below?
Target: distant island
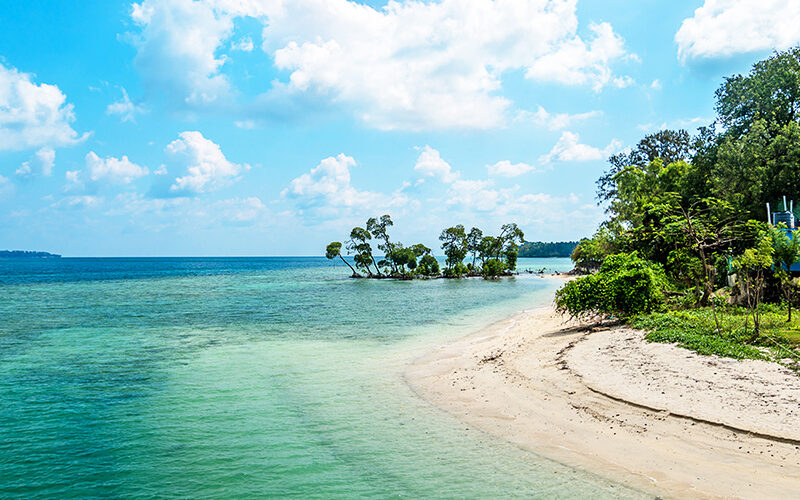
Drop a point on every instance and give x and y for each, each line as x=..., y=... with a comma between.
x=547, y=249
x=25, y=254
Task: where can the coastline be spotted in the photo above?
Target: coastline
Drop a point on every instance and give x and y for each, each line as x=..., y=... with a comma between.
x=606, y=401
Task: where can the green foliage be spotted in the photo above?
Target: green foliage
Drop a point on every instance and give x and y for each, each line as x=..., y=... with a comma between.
x=696, y=329
x=456, y=271
x=428, y=266
x=359, y=245
x=333, y=250
x=493, y=268
x=590, y=252
x=379, y=229
x=771, y=91
x=454, y=244
x=406, y=262
x=626, y=285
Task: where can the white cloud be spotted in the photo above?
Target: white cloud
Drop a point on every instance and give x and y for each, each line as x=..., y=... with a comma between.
x=430, y=164
x=79, y=202
x=656, y=84
x=33, y=115
x=245, y=124
x=114, y=170
x=207, y=169
x=125, y=108
x=176, y=49
x=244, y=44
x=577, y=63
x=555, y=121
x=44, y=159
x=507, y=169
x=240, y=211
x=327, y=191
x=24, y=170
x=722, y=28
x=475, y=194
x=569, y=148
x=74, y=182
x=161, y=170
x=409, y=65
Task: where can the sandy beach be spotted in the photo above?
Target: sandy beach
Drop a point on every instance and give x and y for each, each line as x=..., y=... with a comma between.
x=653, y=416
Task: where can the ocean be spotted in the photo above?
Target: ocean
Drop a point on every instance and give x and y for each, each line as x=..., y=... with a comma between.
x=248, y=377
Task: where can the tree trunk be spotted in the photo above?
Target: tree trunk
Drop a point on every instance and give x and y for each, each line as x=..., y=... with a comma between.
x=355, y=274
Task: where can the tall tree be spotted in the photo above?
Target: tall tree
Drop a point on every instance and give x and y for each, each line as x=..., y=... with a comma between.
x=454, y=244
x=379, y=229
x=771, y=91
x=359, y=245
x=333, y=250
x=474, y=238
x=669, y=146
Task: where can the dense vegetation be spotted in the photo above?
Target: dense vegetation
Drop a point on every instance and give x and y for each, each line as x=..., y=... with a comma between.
x=547, y=249
x=488, y=256
x=687, y=215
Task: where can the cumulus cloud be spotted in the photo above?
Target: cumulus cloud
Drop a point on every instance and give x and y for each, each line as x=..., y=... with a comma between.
x=327, y=190
x=507, y=169
x=33, y=115
x=409, y=65
x=126, y=108
x=722, y=28
x=44, y=160
x=430, y=164
x=207, y=169
x=569, y=148
x=113, y=170
x=576, y=62
x=176, y=49
x=554, y=121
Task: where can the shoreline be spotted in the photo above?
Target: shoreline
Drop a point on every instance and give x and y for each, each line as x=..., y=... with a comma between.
x=655, y=417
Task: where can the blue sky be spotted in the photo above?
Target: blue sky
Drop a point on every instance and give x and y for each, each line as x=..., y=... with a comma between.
x=269, y=127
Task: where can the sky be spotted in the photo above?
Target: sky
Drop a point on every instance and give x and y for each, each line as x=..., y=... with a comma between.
x=271, y=127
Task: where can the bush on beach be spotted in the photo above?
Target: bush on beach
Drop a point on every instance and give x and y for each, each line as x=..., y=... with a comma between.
x=625, y=286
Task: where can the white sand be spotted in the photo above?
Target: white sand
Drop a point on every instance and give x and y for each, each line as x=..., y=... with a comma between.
x=653, y=416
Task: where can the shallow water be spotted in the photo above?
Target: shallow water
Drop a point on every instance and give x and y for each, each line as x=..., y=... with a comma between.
x=229, y=378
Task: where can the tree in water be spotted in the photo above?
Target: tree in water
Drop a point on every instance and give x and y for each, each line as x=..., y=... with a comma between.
x=454, y=244
x=362, y=250
x=474, y=238
x=379, y=229
x=333, y=250
x=511, y=236
x=428, y=266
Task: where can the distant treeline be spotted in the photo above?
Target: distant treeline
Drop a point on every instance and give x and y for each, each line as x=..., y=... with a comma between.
x=547, y=249
x=24, y=254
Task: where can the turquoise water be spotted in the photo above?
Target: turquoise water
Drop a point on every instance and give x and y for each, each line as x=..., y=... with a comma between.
x=231, y=378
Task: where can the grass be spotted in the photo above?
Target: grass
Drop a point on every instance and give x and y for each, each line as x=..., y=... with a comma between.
x=695, y=329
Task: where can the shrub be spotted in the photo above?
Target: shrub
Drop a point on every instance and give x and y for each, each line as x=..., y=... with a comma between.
x=493, y=268
x=428, y=266
x=456, y=271
x=625, y=286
